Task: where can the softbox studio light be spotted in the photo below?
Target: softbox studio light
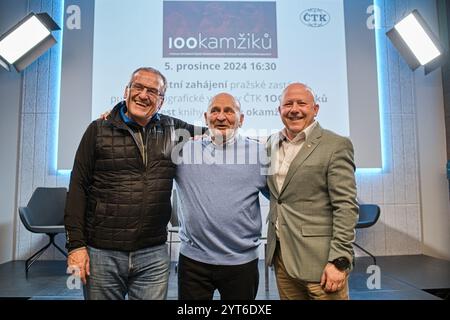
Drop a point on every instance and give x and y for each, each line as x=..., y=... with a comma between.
x=416, y=42
x=27, y=41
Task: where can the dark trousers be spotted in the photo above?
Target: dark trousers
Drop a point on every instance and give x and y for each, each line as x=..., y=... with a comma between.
x=198, y=281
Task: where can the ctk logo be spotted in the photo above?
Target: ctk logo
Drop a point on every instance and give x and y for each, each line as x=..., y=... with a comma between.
x=315, y=17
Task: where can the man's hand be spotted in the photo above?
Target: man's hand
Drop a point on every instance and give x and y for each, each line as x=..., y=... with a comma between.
x=78, y=260
x=332, y=279
x=105, y=115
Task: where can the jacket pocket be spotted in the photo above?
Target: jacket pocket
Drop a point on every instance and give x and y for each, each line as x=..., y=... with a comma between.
x=317, y=231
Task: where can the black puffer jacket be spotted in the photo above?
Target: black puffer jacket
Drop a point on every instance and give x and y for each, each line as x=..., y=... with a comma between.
x=121, y=182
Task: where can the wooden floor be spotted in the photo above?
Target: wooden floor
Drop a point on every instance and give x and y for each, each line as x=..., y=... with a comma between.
x=402, y=278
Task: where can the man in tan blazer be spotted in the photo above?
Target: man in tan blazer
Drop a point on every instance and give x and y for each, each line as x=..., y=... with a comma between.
x=313, y=208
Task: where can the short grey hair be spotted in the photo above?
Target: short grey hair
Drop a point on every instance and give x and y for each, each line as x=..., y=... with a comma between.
x=151, y=70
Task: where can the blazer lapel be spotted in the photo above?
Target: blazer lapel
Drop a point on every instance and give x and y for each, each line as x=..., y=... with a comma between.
x=272, y=185
x=271, y=148
x=308, y=147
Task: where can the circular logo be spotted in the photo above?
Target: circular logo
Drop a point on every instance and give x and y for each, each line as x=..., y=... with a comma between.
x=315, y=17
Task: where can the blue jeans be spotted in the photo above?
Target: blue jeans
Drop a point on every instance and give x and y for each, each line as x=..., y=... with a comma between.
x=142, y=274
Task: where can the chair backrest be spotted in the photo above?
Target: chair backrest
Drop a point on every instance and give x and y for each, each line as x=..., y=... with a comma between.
x=368, y=215
x=46, y=207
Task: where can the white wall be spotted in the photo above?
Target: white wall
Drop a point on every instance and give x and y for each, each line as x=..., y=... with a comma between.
x=10, y=104
x=432, y=153
x=412, y=189
x=38, y=118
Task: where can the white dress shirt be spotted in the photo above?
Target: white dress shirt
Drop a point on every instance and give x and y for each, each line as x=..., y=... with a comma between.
x=287, y=152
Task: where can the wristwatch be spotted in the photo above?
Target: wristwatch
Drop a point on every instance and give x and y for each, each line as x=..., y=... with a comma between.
x=341, y=263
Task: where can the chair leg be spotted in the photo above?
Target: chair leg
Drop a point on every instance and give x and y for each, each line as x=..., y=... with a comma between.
x=170, y=252
x=52, y=239
x=35, y=256
x=39, y=253
x=367, y=252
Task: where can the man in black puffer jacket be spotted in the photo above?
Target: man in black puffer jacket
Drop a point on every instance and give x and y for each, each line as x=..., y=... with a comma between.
x=118, y=204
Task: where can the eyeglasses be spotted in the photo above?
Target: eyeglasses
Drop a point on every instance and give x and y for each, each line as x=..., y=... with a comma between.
x=152, y=92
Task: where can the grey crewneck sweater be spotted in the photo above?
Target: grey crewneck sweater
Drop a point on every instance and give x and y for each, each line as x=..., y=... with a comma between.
x=220, y=218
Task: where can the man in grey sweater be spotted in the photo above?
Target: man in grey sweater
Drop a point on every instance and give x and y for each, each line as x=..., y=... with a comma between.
x=219, y=179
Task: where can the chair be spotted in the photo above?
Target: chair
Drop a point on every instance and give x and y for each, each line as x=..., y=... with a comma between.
x=44, y=213
x=368, y=216
x=174, y=224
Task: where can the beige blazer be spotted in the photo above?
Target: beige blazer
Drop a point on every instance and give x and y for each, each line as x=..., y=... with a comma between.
x=316, y=207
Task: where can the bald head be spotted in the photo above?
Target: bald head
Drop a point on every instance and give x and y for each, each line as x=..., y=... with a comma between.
x=227, y=98
x=224, y=116
x=300, y=86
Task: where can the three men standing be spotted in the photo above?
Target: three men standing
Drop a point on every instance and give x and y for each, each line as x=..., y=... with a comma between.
x=119, y=205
